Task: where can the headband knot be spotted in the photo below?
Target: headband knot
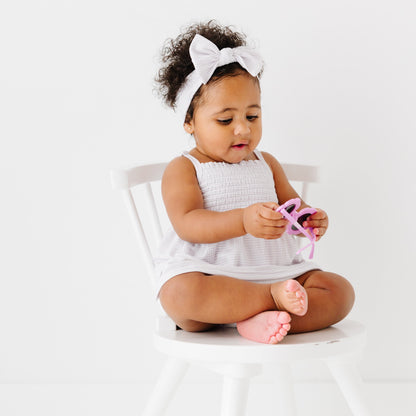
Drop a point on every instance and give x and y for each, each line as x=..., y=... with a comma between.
x=206, y=58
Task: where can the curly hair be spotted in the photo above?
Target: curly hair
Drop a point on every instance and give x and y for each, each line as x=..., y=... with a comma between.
x=177, y=63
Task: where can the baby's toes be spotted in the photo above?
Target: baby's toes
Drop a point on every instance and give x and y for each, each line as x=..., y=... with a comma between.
x=283, y=332
x=276, y=338
x=283, y=318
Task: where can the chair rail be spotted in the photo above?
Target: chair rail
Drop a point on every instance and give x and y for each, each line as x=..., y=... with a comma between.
x=130, y=177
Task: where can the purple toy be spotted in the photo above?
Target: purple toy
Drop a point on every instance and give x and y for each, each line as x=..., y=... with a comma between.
x=296, y=219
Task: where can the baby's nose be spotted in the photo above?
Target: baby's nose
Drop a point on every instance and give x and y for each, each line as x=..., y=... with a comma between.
x=242, y=128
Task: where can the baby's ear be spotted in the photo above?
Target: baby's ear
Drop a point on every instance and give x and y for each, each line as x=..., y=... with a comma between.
x=189, y=128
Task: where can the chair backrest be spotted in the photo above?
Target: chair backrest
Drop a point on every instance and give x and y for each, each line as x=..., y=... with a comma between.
x=128, y=179
x=145, y=213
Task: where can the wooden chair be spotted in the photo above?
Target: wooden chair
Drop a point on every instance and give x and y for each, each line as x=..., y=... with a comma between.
x=223, y=350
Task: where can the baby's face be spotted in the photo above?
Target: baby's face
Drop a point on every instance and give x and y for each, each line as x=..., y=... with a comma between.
x=227, y=124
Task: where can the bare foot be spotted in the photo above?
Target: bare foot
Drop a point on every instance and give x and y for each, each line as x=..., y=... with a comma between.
x=290, y=296
x=268, y=327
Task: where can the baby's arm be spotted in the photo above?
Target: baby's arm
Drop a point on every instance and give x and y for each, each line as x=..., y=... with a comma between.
x=185, y=207
x=285, y=191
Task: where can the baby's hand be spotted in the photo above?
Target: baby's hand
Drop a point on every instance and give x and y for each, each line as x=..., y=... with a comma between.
x=261, y=221
x=319, y=223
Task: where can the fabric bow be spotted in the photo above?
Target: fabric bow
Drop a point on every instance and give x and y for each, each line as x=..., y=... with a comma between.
x=206, y=57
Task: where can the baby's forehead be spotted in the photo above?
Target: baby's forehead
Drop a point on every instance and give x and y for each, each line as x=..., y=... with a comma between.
x=238, y=88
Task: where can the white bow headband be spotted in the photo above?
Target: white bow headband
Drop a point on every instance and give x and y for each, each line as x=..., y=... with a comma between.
x=206, y=57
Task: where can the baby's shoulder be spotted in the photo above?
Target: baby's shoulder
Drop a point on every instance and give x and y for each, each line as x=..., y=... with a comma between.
x=270, y=159
x=180, y=162
x=179, y=166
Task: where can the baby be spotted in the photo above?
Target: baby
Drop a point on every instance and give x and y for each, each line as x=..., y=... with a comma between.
x=228, y=257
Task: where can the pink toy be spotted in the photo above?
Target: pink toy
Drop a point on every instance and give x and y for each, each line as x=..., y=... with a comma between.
x=296, y=219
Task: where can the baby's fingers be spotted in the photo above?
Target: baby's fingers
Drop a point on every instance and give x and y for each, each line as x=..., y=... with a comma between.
x=319, y=232
x=319, y=219
x=319, y=215
x=267, y=212
x=315, y=223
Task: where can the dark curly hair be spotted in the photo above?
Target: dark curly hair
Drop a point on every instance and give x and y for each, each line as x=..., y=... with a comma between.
x=177, y=64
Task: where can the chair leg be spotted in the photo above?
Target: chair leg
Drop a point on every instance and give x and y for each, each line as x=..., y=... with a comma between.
x=284, y=387
x=234, y=396
x=236, y=381
x=166, y=385
x=346, y=374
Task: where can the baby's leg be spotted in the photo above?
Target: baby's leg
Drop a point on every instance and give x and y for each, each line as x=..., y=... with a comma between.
x=196, y=301
x=330, y=298
x=268, y=327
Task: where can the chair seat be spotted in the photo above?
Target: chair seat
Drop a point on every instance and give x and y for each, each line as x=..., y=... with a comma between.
x=226, y=345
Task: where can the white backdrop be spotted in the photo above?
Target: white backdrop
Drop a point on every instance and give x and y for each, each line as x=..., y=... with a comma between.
x=76, y=100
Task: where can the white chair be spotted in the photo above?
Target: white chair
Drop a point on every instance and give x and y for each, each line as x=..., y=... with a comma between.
x=223, y=350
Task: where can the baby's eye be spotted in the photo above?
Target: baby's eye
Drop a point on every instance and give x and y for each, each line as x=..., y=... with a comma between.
x=252, y=118
x=225, y=121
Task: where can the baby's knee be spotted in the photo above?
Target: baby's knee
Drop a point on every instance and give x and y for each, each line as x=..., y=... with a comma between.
x=343, y=294
x=177, y=295
x=346, y=291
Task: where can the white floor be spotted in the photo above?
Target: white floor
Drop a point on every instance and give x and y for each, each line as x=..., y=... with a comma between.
x=323, y=399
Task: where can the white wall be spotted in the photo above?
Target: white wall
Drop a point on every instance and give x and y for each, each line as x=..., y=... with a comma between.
x=76, y=99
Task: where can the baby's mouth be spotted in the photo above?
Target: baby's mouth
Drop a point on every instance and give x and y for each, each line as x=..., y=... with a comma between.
x=239, y=146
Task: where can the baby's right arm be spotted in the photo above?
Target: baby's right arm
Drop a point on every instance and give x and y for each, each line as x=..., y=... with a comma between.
x=185, y=207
